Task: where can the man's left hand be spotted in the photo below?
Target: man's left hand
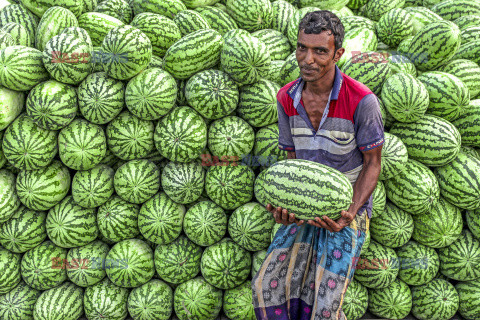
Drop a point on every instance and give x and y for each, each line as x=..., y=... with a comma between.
x=333, y=225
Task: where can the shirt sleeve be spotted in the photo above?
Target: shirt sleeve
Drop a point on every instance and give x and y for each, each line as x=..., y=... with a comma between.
x=285, y=140
x=369, y=131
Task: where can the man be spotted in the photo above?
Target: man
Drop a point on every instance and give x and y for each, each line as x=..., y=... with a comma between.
x=326, y=117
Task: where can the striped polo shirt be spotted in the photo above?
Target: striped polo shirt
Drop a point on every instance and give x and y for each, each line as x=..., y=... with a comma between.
x=351, y=123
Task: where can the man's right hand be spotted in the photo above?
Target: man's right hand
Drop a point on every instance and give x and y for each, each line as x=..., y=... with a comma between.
x=282, y=216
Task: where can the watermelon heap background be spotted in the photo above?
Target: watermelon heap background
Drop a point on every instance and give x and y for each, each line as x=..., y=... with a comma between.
x=132, y=133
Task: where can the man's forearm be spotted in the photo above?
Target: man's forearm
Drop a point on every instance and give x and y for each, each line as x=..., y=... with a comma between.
x=365, y=185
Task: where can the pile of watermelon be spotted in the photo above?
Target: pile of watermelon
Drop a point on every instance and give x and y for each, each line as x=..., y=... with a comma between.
x=135, y=137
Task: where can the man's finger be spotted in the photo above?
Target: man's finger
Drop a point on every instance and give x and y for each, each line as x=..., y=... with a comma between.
x=300, y=222
x=284, y=215
x=291, y=218
x=332, y=224
x=324, y=224
x=269, y=207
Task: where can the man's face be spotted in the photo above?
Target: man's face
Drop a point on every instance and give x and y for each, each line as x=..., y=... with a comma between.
x=316, y=55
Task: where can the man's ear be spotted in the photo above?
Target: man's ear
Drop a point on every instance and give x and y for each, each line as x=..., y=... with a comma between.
x=338, y=54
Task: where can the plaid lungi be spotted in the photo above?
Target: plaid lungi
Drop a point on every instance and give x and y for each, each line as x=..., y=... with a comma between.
x=307, y=271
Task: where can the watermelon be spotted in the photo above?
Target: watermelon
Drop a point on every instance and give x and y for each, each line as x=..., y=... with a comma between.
x=130, y=263
x=98, y=25
x=461, y=259
x=379, y=199
x=473, y=223
x=117, y=219
x=119, y=9
x=217, y=19
x=10, y=263
x=200, y=48
x=230, y=138
x=67, y=293
x=394, y=156
x=405, y=97
x=183, y=182
x=43, y=266
x=466, y=21
x=433, y=44
x=11, y=105
x=440, y=227
x=469, y=124
x=212, y=93
x=257, y=260
x=197, y=299
x=178, y=261
x=430, y=140
x=137, y=181
x=163, y=36
x=69, y=225
x=468, y=292
x=266, y=150
x=167, y=8
x=377, y=267
x=21, y=15
x=151, y=94
x=40, y=7
x=128, y=52
x=8, y=196
x=392, y=227
x=454, y=9
x=151, y=301
x=189, y=21
x=245, y=58
x=106, y=300
x=19, y=303
x=19, y=33
x=355, y=300
x=400, y=63
x=100, y=98
x=277, y=43
x=358, y=40
x=181, y=135
x=52, y=104
x=449, y=96
x=85, y=264
x=422, y=16
x=335, y=188
x=470, y=34
x=251, y=15
x=422, y=185
x=459, y=181
x=27, y=146
x=129, y=137
x=418, y=263
x=92, y=188
x=394, y=26
x=81, y=145
x=237, y=302
x=160, y=219
x=23, y=231
x=205, y=223
x=465, y=70
x=43, y=188
x=53, y=21
x=354, y=22
x=392, y=302
x=468, y=51
x=435, y=300
x=225, y=264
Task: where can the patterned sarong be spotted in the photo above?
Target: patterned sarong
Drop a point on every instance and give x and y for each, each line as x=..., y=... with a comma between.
x=307, y=271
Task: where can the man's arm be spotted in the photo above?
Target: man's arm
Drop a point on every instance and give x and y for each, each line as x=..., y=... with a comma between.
x=291, y=155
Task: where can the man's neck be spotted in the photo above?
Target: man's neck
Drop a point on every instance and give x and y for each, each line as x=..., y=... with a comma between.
x=323, y=85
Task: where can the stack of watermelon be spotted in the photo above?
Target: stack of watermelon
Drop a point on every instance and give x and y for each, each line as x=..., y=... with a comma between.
x=135, y=135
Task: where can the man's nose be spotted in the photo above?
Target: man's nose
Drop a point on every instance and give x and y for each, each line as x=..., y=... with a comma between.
x=309, y=57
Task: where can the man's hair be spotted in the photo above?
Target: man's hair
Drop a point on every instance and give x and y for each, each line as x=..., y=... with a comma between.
x=317, y=22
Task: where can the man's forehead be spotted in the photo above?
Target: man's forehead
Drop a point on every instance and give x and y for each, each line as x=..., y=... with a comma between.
x=323, y=39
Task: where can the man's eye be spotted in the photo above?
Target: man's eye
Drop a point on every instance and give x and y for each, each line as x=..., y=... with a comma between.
x=320, y=51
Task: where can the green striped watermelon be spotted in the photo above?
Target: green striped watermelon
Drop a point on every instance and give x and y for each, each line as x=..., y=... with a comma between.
x=422, y=16
x=189, y=21
x=129, y=137
x=316, y=179
x=250, y=226
x=466, y=21
x=394, y=156
x=100, y=98
x=469, y=124
x=119, y=9
x=354, y=22
x=42, y=267
x=258, y=103
x=230, y=138
x=465, y=70
x=440, y=227
x=282, y=13
x=205, y=223
x=10, y=264
x=85, y=265
x=225, y=264
x=468, y=292
x=470, y=34
x=69, y=225
x=19, y=303
x=472, y=217
x=183, y=182
x=418, y=263
x=181, y=135
x=117, y=219
x=105, y=300
x=8, y=196
x=379, y=199
x=423, y=189
x=277, y=43
x=27, y=146
x=167, y=8
x=53, y=21
x=131, y=263
x=266, y=148
x=11, y=105
x=160, y=219
x=355, y=300
x=197, y=299
x=392, y=302
x=98, y=25
x=459, y=181
x=92, y=188
x=212, y=93
x=237, y=302
x=469, y=51
x=257, y=260
x=127, y=51
x=137, y=181
x=435, y=300
x=163, y=36
x=251, y=15
x=67, y=293
x=39, y=7
x=23, y=231
x=400, y=63
x=453, y=9
x=21, y=15
x=394, y=26
x=217, y=19
x=274, y=74
x=151, y=301
x=178, y=261
x=430, y=140
x=461, y=259
x=356, y=41
x=19, y=34
x=392, y=227
x=405, y=97
x=43, y=188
